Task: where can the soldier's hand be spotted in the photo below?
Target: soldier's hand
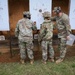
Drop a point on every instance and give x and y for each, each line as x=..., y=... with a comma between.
x=34, y=22
x=68, y=38
x=49, y=38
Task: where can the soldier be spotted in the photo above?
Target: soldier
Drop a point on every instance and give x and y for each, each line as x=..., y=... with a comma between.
x=64, y=29
x=23, y=31
x=46, y=33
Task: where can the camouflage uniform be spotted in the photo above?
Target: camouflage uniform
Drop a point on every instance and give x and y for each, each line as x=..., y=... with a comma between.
x=46, y=33
x=23, y=31
x=64, y=29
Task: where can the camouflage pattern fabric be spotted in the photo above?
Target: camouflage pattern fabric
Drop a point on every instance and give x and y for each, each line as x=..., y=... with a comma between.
x=64, y=30
x=63, y=26
x=62, y=47
x=23, y=31
x=46, y=33
x=46, y=14
x=26, y=47
x=45, y=46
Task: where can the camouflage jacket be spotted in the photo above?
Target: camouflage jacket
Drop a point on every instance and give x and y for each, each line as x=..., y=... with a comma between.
x=63, y=26
x=23, y=30
x=46, y=30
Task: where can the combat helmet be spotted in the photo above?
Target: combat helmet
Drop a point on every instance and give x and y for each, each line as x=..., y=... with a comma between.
x=46, y=14
x=57, y=9
x=27, y=14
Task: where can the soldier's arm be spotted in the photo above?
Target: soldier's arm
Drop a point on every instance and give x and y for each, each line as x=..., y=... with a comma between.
x=68, y=27
x=39, y=36
x=49, y=32
x=17, y=30
x=53, y=19
x=34, y=26
x=42, y=32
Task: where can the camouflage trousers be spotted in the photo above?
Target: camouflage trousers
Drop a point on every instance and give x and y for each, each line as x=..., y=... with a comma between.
x=26, y=47
x=62, y=47
x=47, y=46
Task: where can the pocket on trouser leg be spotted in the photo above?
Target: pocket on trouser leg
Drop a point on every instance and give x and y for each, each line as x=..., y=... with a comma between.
x=22, y=54
x=62, y=53
x=30, y=53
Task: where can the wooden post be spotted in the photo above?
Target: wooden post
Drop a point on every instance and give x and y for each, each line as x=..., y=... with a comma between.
x=10, y=44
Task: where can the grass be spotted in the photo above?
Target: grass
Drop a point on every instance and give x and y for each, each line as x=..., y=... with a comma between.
x=67, y=67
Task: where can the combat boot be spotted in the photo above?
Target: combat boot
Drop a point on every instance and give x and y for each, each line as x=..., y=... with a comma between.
x=22, y=61
x=31, y=61
x=44, y=61
x=51, y=60
x=59, y=60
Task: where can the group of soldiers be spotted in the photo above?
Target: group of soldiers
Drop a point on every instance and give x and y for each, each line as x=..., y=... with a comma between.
x=24, y=33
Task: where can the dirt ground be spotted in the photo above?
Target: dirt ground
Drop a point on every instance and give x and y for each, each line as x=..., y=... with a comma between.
x=6, y=57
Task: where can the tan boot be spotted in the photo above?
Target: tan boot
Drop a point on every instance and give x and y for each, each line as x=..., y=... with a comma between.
x=59, y=60
x=44, y=61
x=51, y=60
x=31, y=61
x=22, y=61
